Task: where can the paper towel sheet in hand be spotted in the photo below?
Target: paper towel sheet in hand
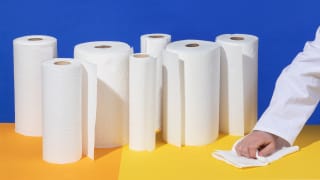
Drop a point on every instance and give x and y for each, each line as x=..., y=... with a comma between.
x=231, y=157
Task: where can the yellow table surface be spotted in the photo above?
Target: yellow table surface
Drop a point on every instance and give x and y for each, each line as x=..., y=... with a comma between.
x=21, y=158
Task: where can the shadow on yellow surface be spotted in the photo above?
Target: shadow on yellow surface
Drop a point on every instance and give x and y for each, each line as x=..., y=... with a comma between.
x=21, y=159
x=307, y=138
x=101, y=152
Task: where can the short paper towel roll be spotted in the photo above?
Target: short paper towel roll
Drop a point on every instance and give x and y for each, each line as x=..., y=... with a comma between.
x=154, y=44
x=112, y=61
x=142, y=101
x=29, y=52
x=61, y=86
x=239, y=77
x=191, y=101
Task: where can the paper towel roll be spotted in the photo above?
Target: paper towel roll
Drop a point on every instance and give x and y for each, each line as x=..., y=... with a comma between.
x=154, y=44
x=239, y=77
x=61, y=87
x=29, y=52
x=142, y=102
x=196, y=91
x=112, y=61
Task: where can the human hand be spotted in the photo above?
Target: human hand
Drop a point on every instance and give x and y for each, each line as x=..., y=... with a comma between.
x=263, y=142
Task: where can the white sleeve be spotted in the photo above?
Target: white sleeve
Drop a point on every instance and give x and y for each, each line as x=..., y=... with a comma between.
x=296, y=94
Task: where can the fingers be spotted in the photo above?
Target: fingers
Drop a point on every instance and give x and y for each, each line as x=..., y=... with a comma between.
x=253, y=150
x=249, y=151
x=267, y=150
x=242, y=151
x=260, y=141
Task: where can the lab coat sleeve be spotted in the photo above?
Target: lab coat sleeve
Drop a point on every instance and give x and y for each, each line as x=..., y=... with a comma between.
x=296, y=94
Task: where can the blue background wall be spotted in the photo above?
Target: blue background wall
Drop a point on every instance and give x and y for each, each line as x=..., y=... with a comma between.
x=282, y=26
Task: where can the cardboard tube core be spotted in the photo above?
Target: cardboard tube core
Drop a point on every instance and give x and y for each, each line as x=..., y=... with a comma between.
x=62, y=63
x=237, y=38
x=156, y=36
x=192, y=45
x=103, y=46
x=35, y=39
x=140, y=55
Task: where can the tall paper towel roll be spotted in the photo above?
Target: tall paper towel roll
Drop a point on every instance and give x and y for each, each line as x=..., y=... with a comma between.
x=142, y=102
x=61, y=86
x=239, y=77
x=29, y=52
x=196, y=91
x=154, y=44
x=112, y=61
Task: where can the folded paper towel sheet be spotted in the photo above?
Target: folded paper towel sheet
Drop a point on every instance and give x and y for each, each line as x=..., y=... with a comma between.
x=112, y=61
x=29, y=52
x=191, y=80
x=62, y=130
x=239, y=79
x=154, y=44
x=231, y=157
x=142, y=101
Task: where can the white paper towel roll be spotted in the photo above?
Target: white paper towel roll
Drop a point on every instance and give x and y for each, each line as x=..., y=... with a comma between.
x=154, y=44
x=196, y=91
x=142, y=102
x=61, y=87
x=239, y=77
x=112, y=61
x=29, y=52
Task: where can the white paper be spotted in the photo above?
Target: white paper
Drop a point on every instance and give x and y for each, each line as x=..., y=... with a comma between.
x=89, y=107
x=142, y=102
x=62, y=131
x=199, y=82
x=154, y=44
x=29, y=52
x=231, y=157
x=239, y=78
x=112, y=61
